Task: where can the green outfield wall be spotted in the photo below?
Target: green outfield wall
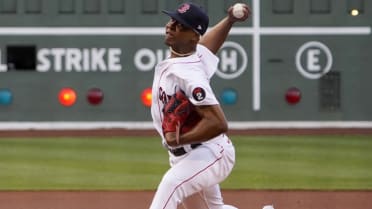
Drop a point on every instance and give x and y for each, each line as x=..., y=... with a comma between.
x=294, y=60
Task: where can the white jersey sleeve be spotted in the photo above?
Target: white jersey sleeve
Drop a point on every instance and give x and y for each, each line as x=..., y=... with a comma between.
x=195, y=81
x=208, y=59
x=197, y=87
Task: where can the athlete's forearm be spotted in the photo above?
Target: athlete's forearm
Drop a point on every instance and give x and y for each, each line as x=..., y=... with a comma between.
x=205, y=130
x=212, y=124
x=215, y=37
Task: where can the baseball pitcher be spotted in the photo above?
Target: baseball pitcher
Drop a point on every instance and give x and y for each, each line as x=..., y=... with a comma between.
x=187, y=114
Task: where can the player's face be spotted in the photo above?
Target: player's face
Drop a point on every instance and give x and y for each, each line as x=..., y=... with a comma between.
x=178, y=34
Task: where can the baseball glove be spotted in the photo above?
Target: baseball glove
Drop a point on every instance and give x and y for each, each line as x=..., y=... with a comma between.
x=179, y=115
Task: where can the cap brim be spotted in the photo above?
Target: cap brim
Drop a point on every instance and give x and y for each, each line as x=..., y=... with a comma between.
x=177, y=17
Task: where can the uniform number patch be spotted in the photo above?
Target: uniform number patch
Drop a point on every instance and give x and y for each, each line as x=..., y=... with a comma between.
x=198, y=93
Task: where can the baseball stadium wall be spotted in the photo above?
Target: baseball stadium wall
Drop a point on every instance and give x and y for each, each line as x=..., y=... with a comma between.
x=89, y=63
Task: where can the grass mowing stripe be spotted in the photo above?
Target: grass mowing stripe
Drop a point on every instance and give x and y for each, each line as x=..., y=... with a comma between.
x=125, y=163
x=302, y=162
x=65, y=163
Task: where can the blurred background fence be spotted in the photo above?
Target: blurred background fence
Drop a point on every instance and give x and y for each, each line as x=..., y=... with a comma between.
x=294, y=63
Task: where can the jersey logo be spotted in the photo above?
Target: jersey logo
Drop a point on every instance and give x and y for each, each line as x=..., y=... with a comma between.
x=198, y=93
x=163, y=97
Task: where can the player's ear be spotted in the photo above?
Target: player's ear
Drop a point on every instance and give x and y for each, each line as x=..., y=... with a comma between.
x=196, y=38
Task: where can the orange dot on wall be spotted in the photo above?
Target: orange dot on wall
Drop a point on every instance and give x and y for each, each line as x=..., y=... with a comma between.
x=146, y=97
x=67, y=97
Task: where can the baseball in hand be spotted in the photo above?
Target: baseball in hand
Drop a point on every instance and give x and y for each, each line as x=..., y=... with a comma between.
x=238, y=10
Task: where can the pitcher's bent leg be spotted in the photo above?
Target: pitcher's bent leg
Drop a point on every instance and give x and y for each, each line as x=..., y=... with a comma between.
x=209, y=198
x=200, y=169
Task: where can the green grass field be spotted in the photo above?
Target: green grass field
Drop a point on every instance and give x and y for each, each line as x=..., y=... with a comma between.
x=137, y=163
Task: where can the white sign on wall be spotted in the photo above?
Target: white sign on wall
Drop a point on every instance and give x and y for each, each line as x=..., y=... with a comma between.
x=314, y=59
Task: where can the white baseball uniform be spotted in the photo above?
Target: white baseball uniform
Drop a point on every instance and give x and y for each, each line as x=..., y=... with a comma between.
x=198, y=168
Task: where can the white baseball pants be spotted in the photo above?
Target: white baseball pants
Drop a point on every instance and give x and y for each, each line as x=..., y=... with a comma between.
x=197, y=172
